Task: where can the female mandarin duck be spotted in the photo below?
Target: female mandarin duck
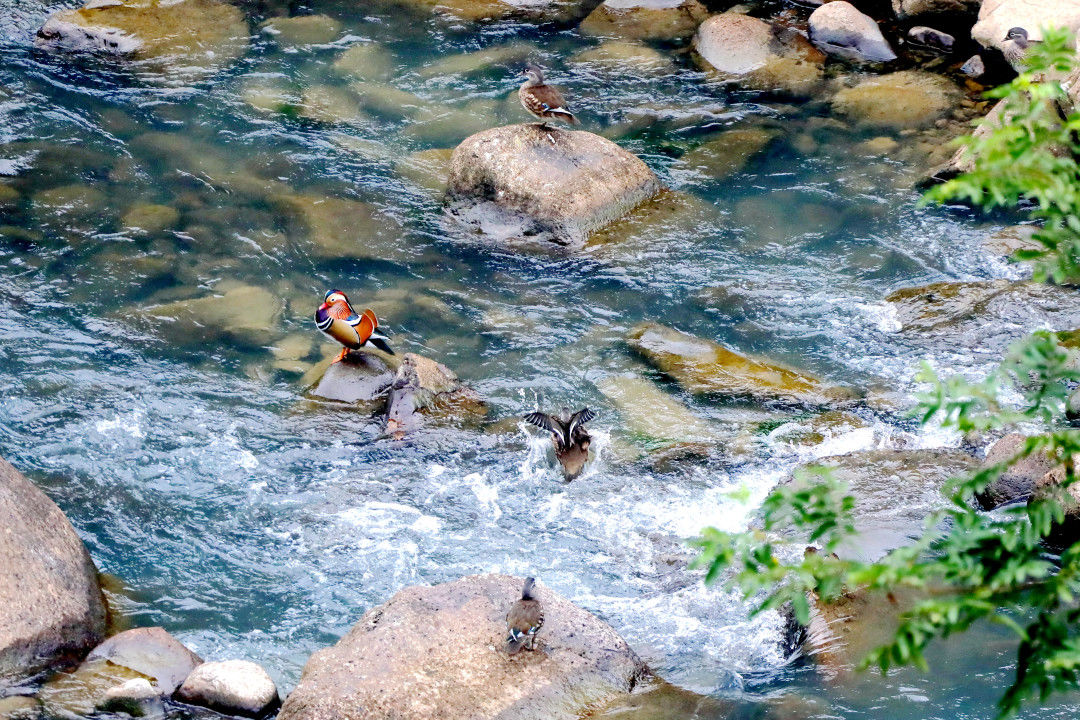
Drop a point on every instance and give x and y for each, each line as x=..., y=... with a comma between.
x=336, y=318
x=569, y=435
x=524, y=620
x=542, y=100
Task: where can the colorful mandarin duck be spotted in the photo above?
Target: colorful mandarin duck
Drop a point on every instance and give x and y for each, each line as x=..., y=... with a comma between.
x=524, y=620
x=336, y=318
x=542, y=100
x=569, y=435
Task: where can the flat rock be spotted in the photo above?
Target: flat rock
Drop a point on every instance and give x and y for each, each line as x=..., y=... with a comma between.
x=655, y=416
x=243, y=312
x=751, y=52
x=436, y=652
x=839, y=28
x=151, y=652
x=362, y=378
x=727, y=153
x=521, y=181
x=232, y=687
x=703, y=366
x=302, y=30
x=668, y=20
x=185, y=35
x=423, y=387
x=899, y=100
x=338, y=227
x=51, y=606
x=996, y=17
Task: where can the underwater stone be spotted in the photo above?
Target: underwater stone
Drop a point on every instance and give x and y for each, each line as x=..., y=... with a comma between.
x=558, y=185
x=478, y=60
x=244, y=312
x=302, y=30
x=898, y=100
x=648, y=411
x=728, y=153
x=151, y=218
x=51, y=606
x=368, y=61
x=742, y=49
x=428, y=169
x=702, y=366
x=645, y=19
x=19, y=707
x=435, y=652
x=623, y=56
x=332, y=105
x=337, y=227
x=232, y=687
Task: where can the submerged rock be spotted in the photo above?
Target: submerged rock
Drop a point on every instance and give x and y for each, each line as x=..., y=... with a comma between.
x=895, y=491
x=623, y=56
x=436, y=652
x=185, y=35
x=51, y=606
x=232, y=687
x=840, y=29
x=703, y=366
x=645, y=19
x=905, y=9
x=478, y=60
x=537, y=11
x=739, y=48
x=338, y=227
x=242, y=312
x=996, y=17
x=428, y=169
x=367, y=61
x=727, y=153
x=904, y=99
x=523, y=181
x=19, y=707
x=656, y=417
x=302, y=30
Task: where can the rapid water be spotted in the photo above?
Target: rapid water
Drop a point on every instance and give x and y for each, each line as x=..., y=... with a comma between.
x=253, y=522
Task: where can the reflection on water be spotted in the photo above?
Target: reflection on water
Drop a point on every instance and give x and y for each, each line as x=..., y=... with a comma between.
x=171, y=426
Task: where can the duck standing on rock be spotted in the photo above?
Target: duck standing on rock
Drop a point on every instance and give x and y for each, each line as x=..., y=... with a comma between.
x=524, y=620
x=336, y=318
x=543, y=100
x=1016, y=46
x=569, y=435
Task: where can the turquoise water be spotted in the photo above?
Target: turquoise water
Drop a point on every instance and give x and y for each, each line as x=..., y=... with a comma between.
x=253, y=522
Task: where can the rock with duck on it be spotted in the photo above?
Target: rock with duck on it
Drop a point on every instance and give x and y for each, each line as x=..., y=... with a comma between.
x=438, y=652
x=525, y=182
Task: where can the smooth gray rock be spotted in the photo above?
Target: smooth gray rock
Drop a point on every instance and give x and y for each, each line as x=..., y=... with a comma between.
x=152, y=652
x=975, y=67
x=1018, y=482
x=51, y=606
x=232, y=687
x=931, y=38
x=521, y=181
x=361, y=378
x=432, y=653
x=840, y=29
x=136, y=697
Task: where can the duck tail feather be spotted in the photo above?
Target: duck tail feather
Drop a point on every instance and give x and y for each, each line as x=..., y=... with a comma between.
x=379, y=341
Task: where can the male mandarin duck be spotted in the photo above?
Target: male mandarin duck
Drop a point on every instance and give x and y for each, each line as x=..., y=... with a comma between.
x=336, y=318
x=542, y=100
x=524, y=620
x=569, y=435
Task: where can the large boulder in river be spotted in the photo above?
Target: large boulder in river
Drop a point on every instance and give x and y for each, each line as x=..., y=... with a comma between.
x=523, y=181
x=423, y=387
x=737, y=48
x=51, y=606
x=645, y=19
x=905, y=99
x=840, y=29
x=703, y=366
x=437, y=652
x=185, y=35
x=996, y=17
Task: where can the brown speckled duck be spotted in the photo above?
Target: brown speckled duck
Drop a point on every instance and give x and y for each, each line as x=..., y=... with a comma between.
x=524, y=620
x=1016, y=44
x=569, y=435
x=542, y=100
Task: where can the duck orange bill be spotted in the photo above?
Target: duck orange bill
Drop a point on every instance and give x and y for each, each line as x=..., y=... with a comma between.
x=367, y=325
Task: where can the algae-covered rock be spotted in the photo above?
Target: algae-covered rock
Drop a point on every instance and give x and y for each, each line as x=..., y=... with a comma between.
x=367, y=61
x=557, y=185
x=654, y=416
x=645, y=19
x=624, y=56
x=51, y=606
x=904, y=99
x=332, y=105
x=743, y=49
x=428, y=169
x=150, y=218
x=303, y=30
x=243, y=312
x=727, y=153
x=478, y=61
x=186, y=35
x=338, y=227
x=432, y=653
x=702, y=366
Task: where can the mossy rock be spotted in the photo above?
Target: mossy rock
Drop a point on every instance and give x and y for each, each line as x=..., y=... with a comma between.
x=727, y=153
x=702, y=366
x=668, y=20
x=906, y=99
x=302, y=30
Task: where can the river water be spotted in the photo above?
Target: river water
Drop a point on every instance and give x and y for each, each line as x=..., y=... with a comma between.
x=254, y=522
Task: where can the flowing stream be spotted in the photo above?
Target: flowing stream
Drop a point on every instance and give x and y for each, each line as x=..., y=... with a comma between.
x=254, y=522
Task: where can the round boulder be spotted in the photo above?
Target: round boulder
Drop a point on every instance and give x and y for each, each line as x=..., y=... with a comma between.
x=645, y=19
x=524, y=181
x=743, y=49
x=437, y=652
x=840, y=29
x=232, y=687
x=183, y=34
x=897, y=100
x=51, y=606
x=149, y=651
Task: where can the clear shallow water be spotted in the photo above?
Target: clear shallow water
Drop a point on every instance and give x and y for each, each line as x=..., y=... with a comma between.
x=255, y=523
